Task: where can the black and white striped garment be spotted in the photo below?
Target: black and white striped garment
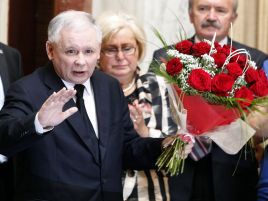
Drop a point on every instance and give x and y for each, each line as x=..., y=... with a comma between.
x=151, y=185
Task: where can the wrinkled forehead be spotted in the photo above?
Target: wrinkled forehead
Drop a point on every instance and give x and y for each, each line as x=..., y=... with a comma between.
x=66, y=30
x=228, y=4
x=86, y=36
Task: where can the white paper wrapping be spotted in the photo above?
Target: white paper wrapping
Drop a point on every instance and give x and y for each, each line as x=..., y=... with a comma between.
x=230, y=138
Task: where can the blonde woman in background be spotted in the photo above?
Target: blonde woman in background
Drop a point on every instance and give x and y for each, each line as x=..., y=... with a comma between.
x=123, y=46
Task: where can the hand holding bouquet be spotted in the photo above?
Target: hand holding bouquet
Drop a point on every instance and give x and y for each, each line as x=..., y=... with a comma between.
x=176, y=149
x=215, y=88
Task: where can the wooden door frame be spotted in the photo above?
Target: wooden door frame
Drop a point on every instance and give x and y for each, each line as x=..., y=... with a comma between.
x=27, y=26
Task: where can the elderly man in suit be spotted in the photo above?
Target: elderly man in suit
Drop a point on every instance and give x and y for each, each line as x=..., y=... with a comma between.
x=218, y=176
x=71, y=144
x=10, y=71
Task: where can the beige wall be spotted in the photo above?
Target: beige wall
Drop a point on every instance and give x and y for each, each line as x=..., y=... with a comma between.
x=167, y=16
x=251, y=26
x=3, y=20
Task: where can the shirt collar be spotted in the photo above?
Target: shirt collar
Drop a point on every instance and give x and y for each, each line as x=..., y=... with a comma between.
x=70, y=85
x=222, y=42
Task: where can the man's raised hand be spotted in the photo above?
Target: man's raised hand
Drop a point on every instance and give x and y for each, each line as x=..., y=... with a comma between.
x=51, y=113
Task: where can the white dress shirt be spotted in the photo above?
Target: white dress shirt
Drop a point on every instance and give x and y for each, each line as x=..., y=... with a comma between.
x=89, y=101
x=222, y=42
x=2, y=100
x=2, y=95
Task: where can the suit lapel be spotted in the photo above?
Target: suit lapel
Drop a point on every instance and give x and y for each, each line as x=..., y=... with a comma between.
x=76, y=122
x=55, y=84
x=3, y=72
x=102, y=108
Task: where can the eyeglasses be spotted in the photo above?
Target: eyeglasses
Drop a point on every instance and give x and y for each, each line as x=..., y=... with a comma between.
x=111, y=52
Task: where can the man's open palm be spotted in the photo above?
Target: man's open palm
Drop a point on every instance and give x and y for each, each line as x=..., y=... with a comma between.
x=51, y=113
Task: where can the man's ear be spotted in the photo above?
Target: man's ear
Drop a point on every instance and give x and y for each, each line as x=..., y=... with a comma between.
x=49, y=49
x=234, y=17
x=190, y=15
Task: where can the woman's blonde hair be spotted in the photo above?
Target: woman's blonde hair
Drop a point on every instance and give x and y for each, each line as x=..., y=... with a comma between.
x=112, y=22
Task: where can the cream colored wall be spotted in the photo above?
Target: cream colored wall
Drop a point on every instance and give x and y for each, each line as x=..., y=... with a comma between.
x=168, y=16
x=4, y=20
x=251, y=26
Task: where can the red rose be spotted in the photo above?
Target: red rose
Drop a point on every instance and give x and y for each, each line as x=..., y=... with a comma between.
x=184, y=46
x=234, y=69
x=217, y=45
x=225, y=49
x=260, y=88
x=240, y=59
x=219, y=59
x=251, y=75
x=222, y=83
x=200, y=49
x=246, y=94
x=174, y=66
x=199, y=80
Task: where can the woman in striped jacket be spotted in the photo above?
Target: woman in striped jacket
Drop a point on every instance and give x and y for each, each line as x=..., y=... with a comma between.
x=123, y=46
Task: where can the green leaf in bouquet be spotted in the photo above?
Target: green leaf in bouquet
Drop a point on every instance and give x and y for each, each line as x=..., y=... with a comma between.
x=171, y=160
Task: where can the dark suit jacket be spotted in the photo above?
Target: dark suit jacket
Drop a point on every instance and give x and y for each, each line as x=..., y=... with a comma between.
x=10, y=70
x=263, y=181
x=61, y=165
x=10, y=65
x=234, y=176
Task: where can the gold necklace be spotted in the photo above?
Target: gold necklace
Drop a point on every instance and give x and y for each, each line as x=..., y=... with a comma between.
x=129, y=86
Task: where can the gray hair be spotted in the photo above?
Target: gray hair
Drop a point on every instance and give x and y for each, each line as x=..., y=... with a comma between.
x=71, y=19
x=235, y=5
x=112, y=22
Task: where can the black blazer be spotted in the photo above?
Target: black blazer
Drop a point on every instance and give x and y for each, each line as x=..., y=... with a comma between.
x=10, y=70
x=234, y=176
x=10, y=65
x=61, y=165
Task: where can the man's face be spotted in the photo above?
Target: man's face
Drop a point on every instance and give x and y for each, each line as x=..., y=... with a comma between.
x=75, y=55
x=212, y=16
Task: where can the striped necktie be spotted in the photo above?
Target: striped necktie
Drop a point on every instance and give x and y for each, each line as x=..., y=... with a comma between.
x=201, y=148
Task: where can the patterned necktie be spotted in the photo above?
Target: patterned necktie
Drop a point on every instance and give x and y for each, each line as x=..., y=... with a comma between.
x=202, y=147
x=82, y=109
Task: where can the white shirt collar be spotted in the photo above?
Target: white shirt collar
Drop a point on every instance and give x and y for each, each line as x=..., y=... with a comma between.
x=87, y=85
x=222, y=42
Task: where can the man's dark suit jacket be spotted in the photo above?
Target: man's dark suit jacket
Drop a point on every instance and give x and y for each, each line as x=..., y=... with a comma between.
x=234, y=176
x=10, y=65
x=61, y=165
x=10, y=70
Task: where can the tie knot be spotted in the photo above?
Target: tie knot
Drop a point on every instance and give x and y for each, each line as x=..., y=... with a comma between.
x=79, y=90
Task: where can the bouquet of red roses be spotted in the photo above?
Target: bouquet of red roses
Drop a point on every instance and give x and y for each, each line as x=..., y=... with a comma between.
x=215, y=87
